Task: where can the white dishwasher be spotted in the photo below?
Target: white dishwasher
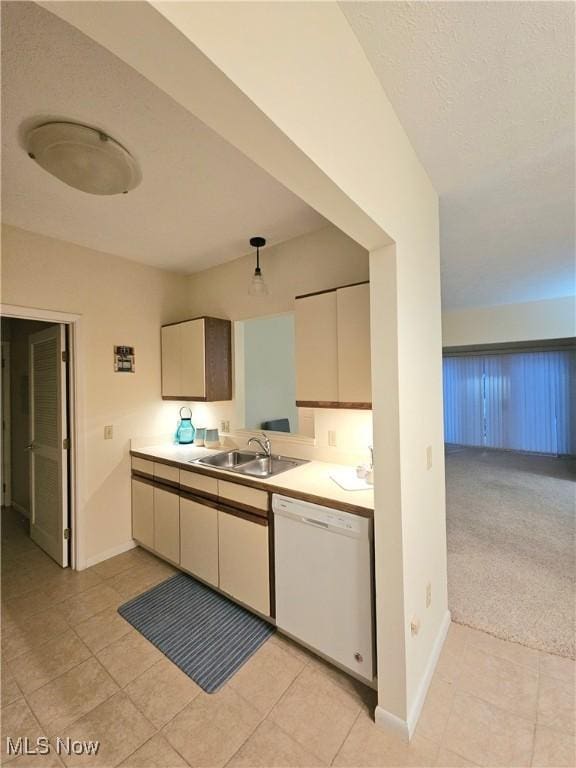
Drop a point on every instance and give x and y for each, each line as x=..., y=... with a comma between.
x=323, y=571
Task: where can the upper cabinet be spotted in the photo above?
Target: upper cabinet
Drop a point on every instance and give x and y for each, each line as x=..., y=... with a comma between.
x=197, y=360
x=333, y=348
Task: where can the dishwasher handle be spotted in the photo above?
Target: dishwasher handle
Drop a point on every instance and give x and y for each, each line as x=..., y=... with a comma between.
x=317, y=523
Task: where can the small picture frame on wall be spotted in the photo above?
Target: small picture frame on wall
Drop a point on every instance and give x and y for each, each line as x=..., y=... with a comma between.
x=124, y=359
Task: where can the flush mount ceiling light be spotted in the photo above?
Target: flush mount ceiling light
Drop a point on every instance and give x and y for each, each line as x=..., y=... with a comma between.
x=83, y=158
x=258, y=287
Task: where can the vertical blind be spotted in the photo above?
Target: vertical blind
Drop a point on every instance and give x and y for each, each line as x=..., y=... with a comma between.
x=522, y=401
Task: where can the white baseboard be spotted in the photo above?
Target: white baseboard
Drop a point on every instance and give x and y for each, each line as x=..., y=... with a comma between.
x=109, y=553
x=405, y=728
x=21, y=509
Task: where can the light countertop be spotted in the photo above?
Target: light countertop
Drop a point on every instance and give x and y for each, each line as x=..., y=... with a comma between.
x=307, y=480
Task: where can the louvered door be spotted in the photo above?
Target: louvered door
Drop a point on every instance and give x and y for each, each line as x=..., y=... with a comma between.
x=48, y=464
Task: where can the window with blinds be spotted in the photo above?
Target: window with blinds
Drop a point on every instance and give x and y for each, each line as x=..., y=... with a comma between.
x=524, y=401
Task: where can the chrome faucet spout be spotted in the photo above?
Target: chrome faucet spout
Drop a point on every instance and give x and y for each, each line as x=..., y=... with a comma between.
x=263, y=442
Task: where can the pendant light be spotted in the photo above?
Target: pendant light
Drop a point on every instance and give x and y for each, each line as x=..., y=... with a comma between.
x=258, y=287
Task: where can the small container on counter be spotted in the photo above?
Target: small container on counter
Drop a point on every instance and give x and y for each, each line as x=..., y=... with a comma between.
x=212, y=439
x=200, y=436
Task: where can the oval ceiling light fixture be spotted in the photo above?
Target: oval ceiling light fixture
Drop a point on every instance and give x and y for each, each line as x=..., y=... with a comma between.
x=83, y=157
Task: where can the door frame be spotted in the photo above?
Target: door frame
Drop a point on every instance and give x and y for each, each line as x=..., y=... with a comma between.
x=6, y=426
x=76, y=413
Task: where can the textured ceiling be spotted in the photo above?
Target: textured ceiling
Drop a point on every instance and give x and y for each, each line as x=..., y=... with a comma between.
x=200, y=199
x=485, y=91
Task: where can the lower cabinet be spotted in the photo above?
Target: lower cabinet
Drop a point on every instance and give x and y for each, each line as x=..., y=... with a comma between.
x=244, y=560
x=167, y=524
x=199, y=540
x=143, y=512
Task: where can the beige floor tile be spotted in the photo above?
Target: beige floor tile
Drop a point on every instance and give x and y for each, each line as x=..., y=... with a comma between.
x=519, y=654
x=156, y=753
x=366, y=697
x=9, y=686
x=270, y=747
x=553, y=749
x=501, y=682
x=557, y=666
x=486, y=735
x=137, y=580
x=72, y=695
x=115, y=565
x=316, y=712
x=368, y=745
x=19, y=584
x=102, y=629
x=29, y=605
x=449, y=666
x=162, y=691
x=35, y=669
x=556, y=705
x=436, y=709
x=88, y=603
x=67, y=583
x=50, y=760
x=117, y=725
x=128, y=657
x=301, y=653
x=265, y=676
x=28, y=634
x=212, y=728
x=18, y=720
x=447, y=759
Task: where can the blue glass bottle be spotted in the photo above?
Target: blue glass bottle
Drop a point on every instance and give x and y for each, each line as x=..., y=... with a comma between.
x=185, y=432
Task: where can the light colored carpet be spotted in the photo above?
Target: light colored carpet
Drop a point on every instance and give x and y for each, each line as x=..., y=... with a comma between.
x=511, y=546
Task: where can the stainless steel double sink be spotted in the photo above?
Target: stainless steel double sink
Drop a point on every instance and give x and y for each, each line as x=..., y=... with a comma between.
x=250, y=463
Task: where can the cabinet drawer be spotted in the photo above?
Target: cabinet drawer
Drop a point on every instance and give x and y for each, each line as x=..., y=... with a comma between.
x=242, y=495
x=167, y=524
x=197, y=482
x=143, y=513
x=244, y=561
x=167, y=474
x=199, y=540
x=143, y=466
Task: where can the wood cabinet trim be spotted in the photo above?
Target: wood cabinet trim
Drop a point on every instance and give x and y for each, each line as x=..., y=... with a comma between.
x=333, y=404
x=249, y=516
x=138, y=474
x=331, y=290
x=200, y=499
x=185, y=397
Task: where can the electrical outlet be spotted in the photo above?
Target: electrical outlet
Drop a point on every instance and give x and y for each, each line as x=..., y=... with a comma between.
x=429, y=457
x=108, y=432
x=415, y=625
x=428, y=595
x=332, y=438
x=224, y=427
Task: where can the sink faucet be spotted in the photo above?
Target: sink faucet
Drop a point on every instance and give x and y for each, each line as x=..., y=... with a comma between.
x=264, y=443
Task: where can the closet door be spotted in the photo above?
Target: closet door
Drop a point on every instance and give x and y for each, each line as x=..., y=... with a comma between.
x=316, y=350
x=354, y=372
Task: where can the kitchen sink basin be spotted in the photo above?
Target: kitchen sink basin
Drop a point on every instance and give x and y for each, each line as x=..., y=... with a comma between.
x=251, y=464
x=228, y=460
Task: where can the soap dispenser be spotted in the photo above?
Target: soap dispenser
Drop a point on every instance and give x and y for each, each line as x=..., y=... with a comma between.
x=185, y=432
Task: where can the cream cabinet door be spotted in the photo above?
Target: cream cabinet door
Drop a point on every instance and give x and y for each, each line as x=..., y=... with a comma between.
x=243, y=559
x=193, y=382
x=167, y=524
x=199, y=540
x=317, y=348
x=143, y=513
x=354, y=375
x=171, y=361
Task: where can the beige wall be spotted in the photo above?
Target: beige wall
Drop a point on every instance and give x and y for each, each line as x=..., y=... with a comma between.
x=323, y=259
x=529, y=321
x=120, y=302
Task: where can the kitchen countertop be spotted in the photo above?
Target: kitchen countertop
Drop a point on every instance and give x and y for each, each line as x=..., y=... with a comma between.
x=310, y=481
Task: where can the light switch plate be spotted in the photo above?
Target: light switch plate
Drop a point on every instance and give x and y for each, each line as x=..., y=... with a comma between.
x=108, y=432
x=332, y=438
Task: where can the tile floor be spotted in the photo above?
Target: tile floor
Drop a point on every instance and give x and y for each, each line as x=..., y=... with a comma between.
x=72, y=667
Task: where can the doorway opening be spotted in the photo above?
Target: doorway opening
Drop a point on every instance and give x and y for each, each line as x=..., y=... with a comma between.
x=36, y=439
